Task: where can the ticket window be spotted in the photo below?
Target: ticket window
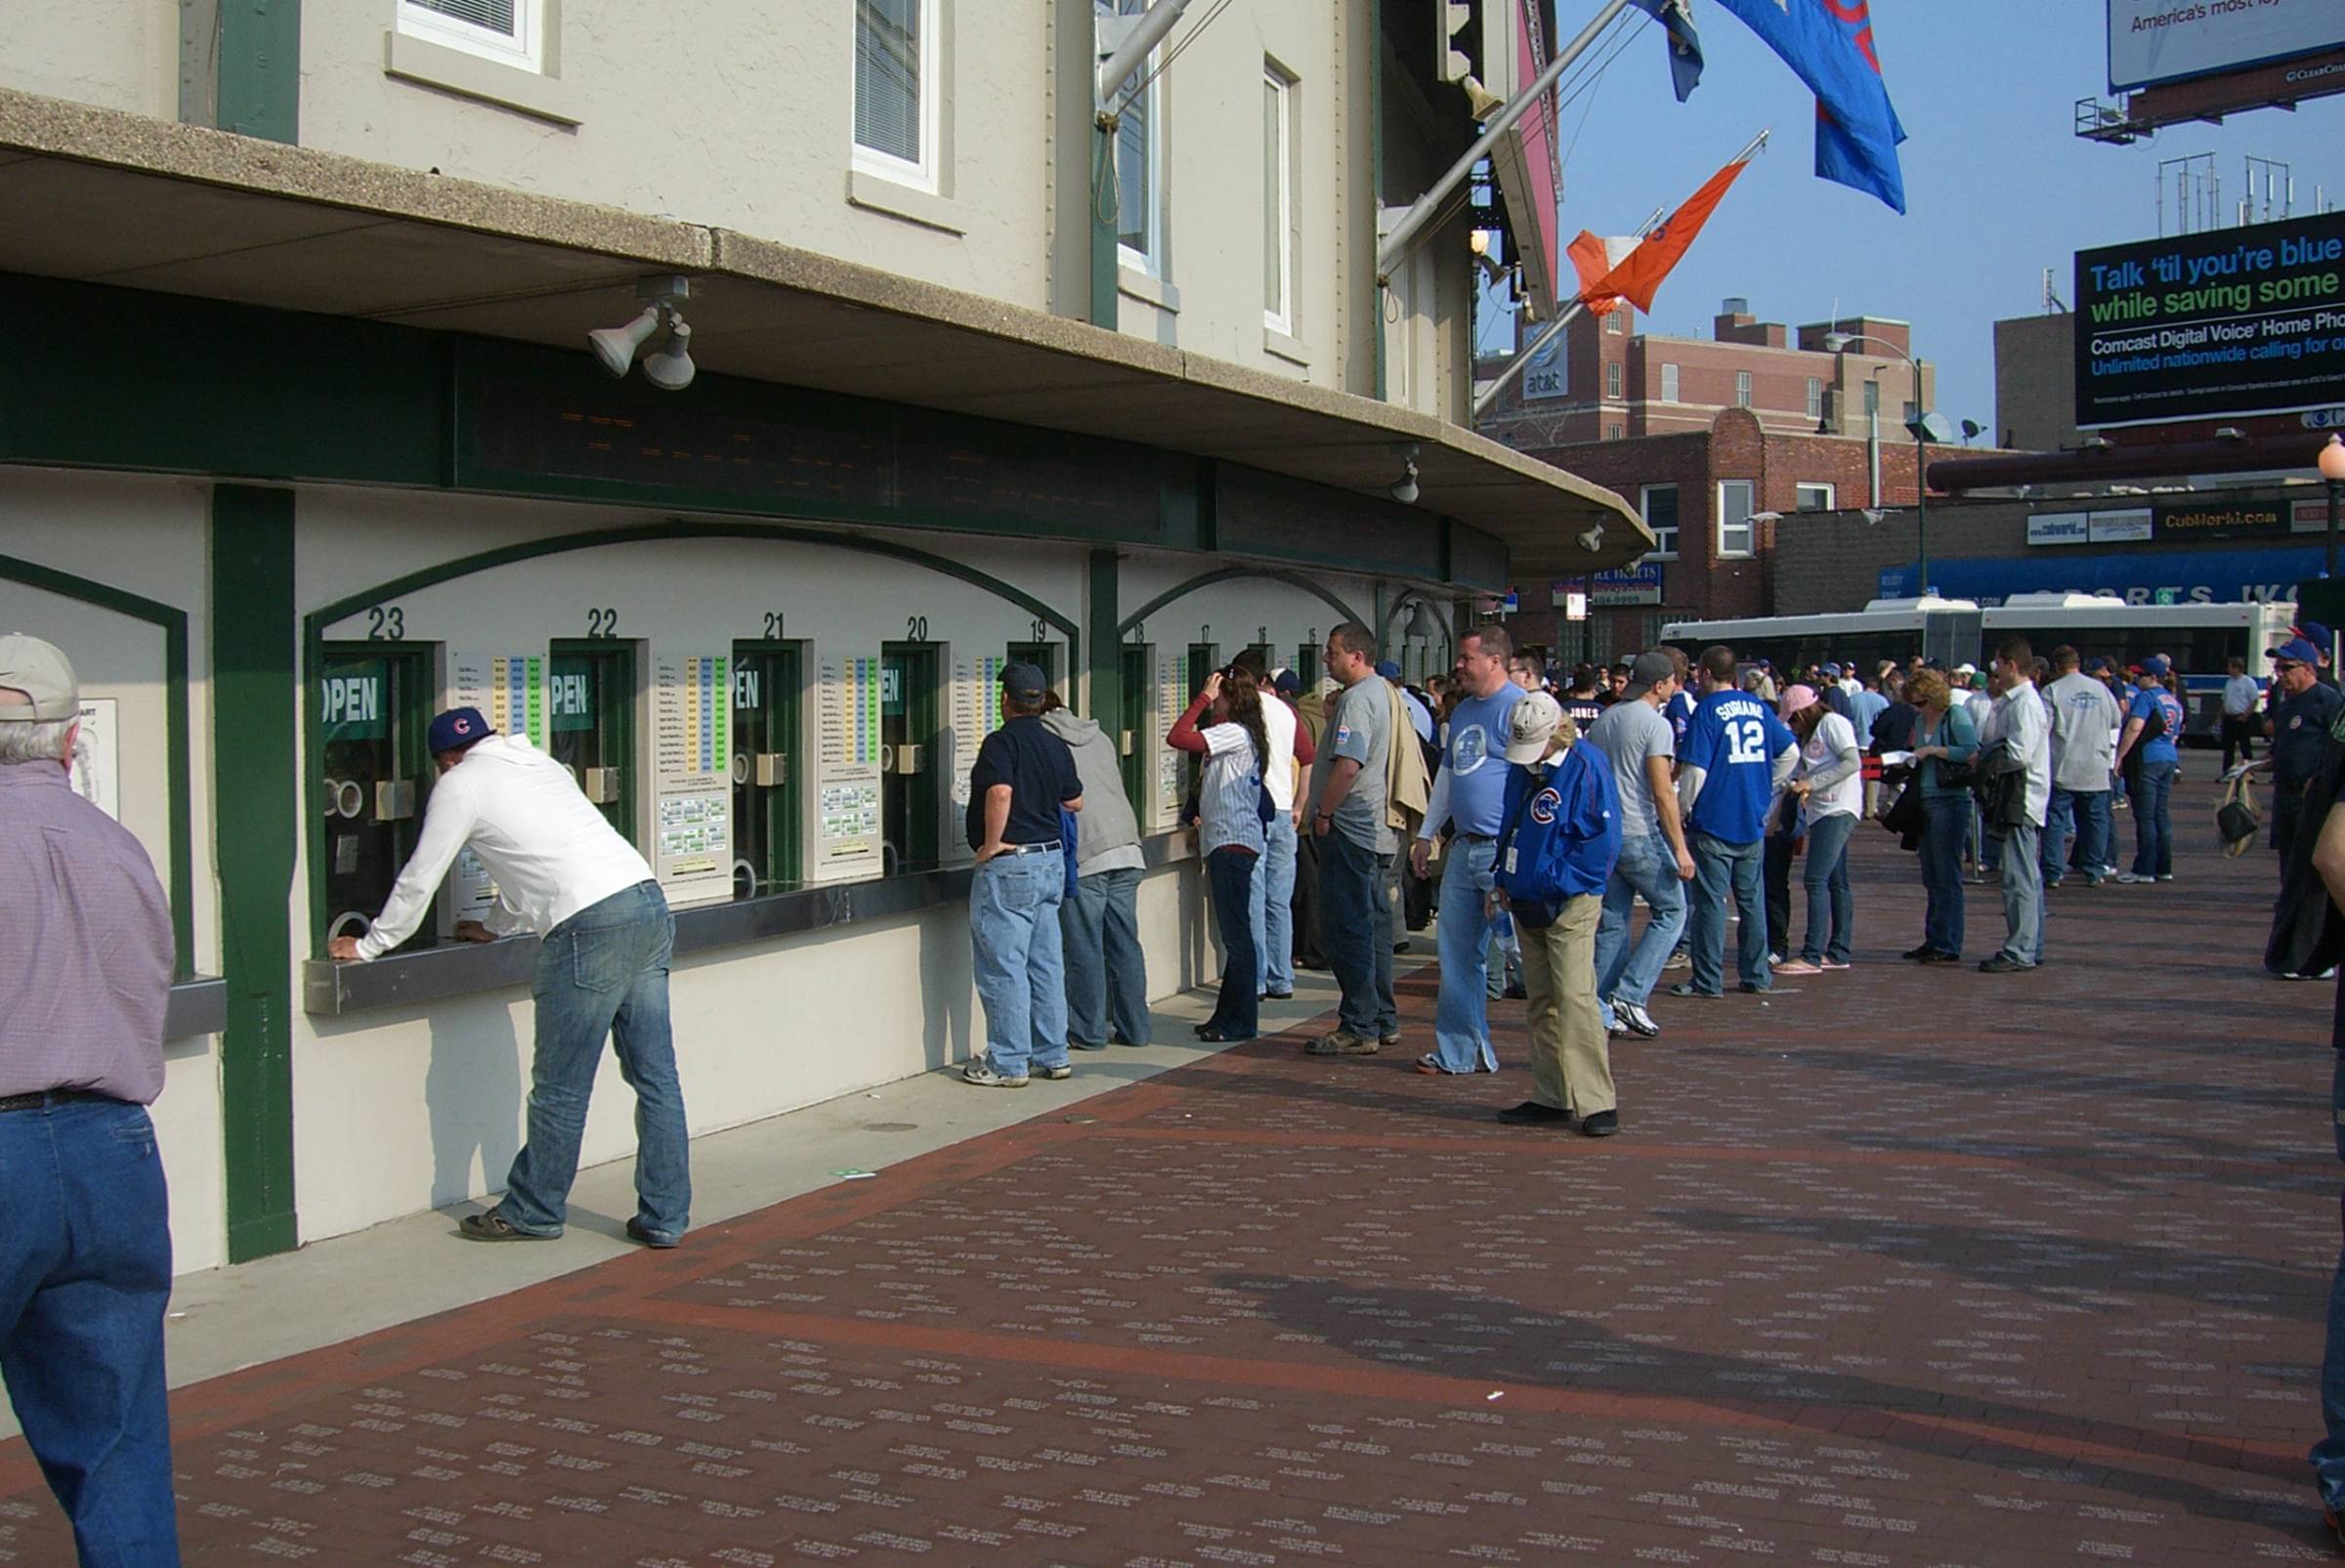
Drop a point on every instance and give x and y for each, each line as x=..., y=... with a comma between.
x=1042, y=656
x=1306, y=663
x=375, y=706
x=910, y=719
x=1132, y=725
x=590, y=724
x=1204, y=660
x=768, y=767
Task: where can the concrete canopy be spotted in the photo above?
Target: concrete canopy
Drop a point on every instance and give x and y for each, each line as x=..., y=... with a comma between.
x=101, y=196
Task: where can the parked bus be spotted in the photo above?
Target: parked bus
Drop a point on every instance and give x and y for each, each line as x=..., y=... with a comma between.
x=2200, y=638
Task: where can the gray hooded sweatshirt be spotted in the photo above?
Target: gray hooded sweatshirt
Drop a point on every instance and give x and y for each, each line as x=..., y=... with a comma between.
x=1107, y=835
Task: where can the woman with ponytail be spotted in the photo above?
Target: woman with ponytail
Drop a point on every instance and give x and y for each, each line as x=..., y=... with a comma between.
x=1232, y=811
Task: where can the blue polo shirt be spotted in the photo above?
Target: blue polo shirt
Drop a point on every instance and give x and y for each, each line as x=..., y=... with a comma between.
x=2299, y=729
x=1734, y=739
x=1476, y=760
x=1040, y=771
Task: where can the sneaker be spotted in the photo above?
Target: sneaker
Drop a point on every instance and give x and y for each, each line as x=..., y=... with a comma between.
x=2092, y=880
x=1278, y=995
x=1086, y=1046
x=644, y=1236
x=1055, y=1075
x=1602, y=1125
x=2129, y=879
x=1341, y=1042
x=1920, y=954
x=1938, y=955
x=981, y=1073
x=2003, y=964
x=1393, y=1038
x=1834, y=964
x=2166, y=877
x=1680, y=960
x=1430, y=1063
x=1639, y=1020
x=1776, y=961
x=1799, y=966
x=1750, y=990
x=1530, y=1113
x=1684, y=987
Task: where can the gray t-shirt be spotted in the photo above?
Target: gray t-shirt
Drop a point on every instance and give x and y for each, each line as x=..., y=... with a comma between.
x=1627, y=734
x=1359, y=725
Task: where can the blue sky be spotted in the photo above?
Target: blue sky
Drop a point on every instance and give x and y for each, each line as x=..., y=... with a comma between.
x=1997, y=183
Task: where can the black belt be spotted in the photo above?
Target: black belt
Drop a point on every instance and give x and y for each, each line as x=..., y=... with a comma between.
x=42, y=1099
x=1031, y=849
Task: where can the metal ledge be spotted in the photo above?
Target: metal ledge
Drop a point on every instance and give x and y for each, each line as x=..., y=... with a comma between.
x=197, y=1006
x=463, y=968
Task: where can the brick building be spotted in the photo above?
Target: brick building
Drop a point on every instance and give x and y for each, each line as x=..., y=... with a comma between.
x=1707, y=437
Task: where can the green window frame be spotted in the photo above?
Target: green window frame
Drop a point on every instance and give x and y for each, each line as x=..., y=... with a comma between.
x=348, y=755
x=606, y=739
x=768, y=719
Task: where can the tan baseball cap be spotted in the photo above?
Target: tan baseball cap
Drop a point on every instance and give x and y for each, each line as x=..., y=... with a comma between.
x=42, y=672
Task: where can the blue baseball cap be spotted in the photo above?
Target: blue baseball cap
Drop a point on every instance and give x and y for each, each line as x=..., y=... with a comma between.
x=456, y=729
x=1287, y=682
x=2312, y=632
x=2094, y=667
x=2297, y=651
x=1831, y=669
x=1025, y=681
x=1388, y=670
x=2156, y=664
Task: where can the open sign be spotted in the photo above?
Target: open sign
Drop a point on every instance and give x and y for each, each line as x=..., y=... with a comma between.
x=352, y=703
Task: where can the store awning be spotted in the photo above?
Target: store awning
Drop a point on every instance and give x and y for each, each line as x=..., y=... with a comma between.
x=101, y=196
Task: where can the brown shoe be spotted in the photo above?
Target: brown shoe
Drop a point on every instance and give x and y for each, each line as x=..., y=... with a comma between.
x=1343, y=1042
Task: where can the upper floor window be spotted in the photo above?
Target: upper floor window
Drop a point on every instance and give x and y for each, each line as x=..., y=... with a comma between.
x=896, y=89
x=1659, y=504
x=1736, y=535
x=1816, y=397
x=1742, y=389
x=1616, y=432
x=1139, y=162
x=1278, y=201
x=1814, y=497
x=1873, y=396
x=1669, y=383
x=511, y=32
x=1614, y=375
x=1616, y=321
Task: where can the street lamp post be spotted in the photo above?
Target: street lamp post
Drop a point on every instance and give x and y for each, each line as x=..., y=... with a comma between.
x=2332, y=469
x=1926, y=427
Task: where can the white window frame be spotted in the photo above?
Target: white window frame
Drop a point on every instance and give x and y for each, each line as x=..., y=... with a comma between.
x=1278, y=163
x=523, y=49
x=1746, y=528
x=1669, y=383
x=1616, y=379
x=1616, y=320
x=1151, y=260
x=922, y=174
x=1665, y=540
x=1744, y=385
x=1799, y=492
x=1815, y=397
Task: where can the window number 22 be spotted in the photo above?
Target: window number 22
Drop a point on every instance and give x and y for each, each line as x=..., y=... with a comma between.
x=602, y=623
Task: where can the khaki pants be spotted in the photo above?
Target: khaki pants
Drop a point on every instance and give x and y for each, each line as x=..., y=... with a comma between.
x=1571, y=1056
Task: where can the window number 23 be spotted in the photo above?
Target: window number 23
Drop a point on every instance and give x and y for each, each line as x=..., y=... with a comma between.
x=1746, y=740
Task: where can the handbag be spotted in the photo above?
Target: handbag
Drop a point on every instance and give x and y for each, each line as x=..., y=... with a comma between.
x=2236, y=818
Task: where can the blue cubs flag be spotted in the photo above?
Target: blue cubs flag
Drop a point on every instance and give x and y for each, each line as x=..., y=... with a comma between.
x=1829, y=45
x=1685, y=44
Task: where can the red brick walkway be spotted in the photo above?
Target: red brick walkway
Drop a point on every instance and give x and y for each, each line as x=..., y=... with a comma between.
x=1905, y=1266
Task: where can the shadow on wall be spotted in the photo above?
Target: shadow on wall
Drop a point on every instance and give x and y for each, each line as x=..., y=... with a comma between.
x=472, y=1091
x=948, y=982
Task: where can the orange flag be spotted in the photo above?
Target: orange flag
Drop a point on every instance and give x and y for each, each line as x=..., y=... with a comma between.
x=1637, y=275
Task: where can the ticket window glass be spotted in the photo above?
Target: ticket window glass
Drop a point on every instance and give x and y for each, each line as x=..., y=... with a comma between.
x=590, y=724
x=1205, y=658
x=375, y=703
x=910, y=717
x=1140, y=690
x=1306, y=663
x=1042, y=656
x=767, y=767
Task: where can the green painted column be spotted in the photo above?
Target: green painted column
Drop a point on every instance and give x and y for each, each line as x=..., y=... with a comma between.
x=256, y=802
x=258, y=86
x=1103, y=609
x=1105, y=255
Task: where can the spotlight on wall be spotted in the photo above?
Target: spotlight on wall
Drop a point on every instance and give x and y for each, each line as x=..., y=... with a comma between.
x=669, y=366
x=1592, y=539
x=1404, y=488
x=1424, y=625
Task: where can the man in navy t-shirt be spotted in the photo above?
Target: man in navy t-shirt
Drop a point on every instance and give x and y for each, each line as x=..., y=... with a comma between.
x=1023, y=775
x=1730, y=773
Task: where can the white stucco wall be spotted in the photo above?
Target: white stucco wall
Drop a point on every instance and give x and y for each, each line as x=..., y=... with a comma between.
x=115, y=54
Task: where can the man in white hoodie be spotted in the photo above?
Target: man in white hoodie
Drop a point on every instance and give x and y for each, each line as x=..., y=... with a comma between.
x=563, y=872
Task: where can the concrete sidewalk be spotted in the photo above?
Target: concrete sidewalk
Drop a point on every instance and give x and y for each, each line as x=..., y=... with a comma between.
x=1896, y=1266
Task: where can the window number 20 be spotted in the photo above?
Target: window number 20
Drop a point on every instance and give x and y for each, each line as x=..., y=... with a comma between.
x=602, y=623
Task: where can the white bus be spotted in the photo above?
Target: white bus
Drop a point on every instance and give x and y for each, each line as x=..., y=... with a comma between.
x=2200, y=638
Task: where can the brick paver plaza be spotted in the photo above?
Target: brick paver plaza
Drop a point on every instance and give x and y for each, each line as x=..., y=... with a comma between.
x=1898, y=1267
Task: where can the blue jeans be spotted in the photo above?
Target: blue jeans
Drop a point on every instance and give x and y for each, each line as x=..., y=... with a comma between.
x=1021, y=968
x=1505, y=957
x=2152, y=820
x=2022, y=896
x=1829, y=899
x=1463, y=930
x=1718, y=865
x=1229, y=875
x=1945, y=821
x=1356, y=933
x=1107, y=973
x=85, y=1271
x=602, y=974
x=2084, y=813
x=2328, y=1455
x=1274, y=896
x=1627, y=972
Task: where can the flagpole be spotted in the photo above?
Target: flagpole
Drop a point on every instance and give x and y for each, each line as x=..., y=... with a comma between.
x=1396, y=243
x=1572, y=312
